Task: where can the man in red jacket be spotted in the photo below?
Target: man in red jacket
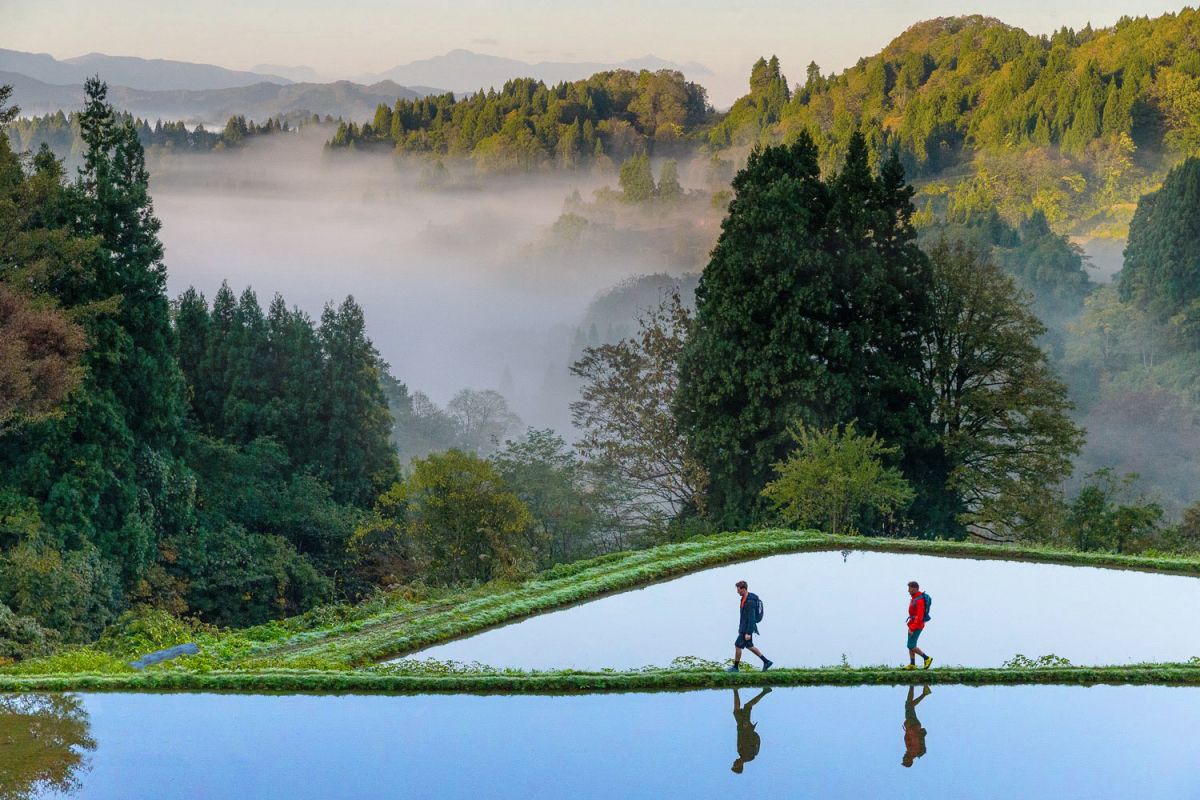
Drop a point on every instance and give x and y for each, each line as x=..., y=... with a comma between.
x=916, y=624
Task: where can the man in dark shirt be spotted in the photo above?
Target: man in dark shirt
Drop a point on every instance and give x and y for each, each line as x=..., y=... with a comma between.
x=747, y=627
x=748, y=740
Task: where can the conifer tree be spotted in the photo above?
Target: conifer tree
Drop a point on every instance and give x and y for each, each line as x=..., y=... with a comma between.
x=353, y=422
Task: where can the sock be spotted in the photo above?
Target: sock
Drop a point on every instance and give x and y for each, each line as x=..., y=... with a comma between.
x=764, y=659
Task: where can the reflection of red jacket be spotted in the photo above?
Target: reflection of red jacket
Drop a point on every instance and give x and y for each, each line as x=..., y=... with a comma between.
x=916, y=613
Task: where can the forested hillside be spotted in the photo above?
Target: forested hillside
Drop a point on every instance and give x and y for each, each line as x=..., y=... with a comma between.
x=528, y=125
x=1076, y=125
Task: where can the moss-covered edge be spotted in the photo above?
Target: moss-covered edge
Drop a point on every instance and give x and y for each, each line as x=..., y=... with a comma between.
x=326, y=682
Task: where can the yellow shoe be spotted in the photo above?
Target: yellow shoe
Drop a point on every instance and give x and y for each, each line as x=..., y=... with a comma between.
x=911, y=666
x=928, y=661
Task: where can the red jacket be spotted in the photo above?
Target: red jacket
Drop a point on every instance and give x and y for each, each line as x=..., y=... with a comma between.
x=916, y=612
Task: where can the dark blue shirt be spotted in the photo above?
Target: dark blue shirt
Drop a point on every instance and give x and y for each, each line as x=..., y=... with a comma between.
x=747, y=624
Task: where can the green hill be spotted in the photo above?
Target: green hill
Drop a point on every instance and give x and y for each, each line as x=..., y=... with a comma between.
x=1077, y=124
x=527, y=124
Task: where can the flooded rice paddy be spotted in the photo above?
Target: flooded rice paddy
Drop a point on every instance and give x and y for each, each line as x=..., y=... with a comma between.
x=832, y=608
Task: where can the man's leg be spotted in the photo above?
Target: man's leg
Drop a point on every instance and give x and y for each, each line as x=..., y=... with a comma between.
x=766, y=661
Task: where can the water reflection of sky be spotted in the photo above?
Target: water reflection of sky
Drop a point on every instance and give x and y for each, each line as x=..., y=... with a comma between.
x=820, y=607
x=827, y=742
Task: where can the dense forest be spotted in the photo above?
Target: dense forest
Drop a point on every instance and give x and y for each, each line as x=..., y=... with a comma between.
x=528, y=125
x=1075, y=125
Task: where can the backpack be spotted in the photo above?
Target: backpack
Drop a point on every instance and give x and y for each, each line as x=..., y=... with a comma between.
x=928, y=605
x=758, y=609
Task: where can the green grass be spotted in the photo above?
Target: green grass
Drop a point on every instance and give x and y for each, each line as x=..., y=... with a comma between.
x=367, y=681
x=334, y=648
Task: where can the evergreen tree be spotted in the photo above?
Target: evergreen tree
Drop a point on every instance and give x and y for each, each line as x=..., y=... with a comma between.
x=103, y=477
x=353, y=422
x=757, y=357
x=810, y=312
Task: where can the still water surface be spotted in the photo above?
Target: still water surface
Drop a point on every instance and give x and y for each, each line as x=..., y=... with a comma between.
x=823, y=606
x=827, y=742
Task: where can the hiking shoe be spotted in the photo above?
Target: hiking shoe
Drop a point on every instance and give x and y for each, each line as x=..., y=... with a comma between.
x=767, y=664
x=910, y=666
x=734, y=668
x=928, y=661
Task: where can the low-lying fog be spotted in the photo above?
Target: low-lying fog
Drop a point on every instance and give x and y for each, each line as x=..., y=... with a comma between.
x=452, y=294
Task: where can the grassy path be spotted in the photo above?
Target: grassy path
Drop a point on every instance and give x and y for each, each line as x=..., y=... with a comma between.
x=367, y=682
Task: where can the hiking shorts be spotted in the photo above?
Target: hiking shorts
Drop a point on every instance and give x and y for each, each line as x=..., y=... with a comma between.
x=742, y=642
x=913, y=636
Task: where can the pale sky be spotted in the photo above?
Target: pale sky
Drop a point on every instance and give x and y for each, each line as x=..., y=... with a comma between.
x=350, y=37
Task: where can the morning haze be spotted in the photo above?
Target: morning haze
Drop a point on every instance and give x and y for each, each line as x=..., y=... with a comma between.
x=537, y=400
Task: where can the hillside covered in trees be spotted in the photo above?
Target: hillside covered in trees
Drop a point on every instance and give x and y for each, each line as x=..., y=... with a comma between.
x=1075, y=125
x=528, y=125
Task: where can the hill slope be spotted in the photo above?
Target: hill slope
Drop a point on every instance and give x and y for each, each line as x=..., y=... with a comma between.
x=1076, y=124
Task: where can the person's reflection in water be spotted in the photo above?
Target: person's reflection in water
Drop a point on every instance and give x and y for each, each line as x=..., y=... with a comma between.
x=914, y=734
x=748, y=740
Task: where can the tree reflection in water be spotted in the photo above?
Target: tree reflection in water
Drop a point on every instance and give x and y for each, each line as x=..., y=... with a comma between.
x=44, y=742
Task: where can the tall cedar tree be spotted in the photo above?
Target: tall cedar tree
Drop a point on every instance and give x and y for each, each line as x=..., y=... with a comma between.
x=90, y=493
x=354, y=423
x=811, y=310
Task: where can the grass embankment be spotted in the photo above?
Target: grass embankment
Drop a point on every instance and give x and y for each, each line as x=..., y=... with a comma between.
x=333, y=648
x=367, y=681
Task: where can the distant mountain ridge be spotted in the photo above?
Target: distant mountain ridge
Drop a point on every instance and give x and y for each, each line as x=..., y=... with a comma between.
x=137, y=73
x=259, y=101
x=466, y=71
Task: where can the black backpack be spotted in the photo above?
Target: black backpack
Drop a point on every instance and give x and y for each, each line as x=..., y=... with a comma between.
x=758, y=609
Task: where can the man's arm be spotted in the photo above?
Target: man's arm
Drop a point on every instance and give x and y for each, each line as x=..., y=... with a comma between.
x=918, y=608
